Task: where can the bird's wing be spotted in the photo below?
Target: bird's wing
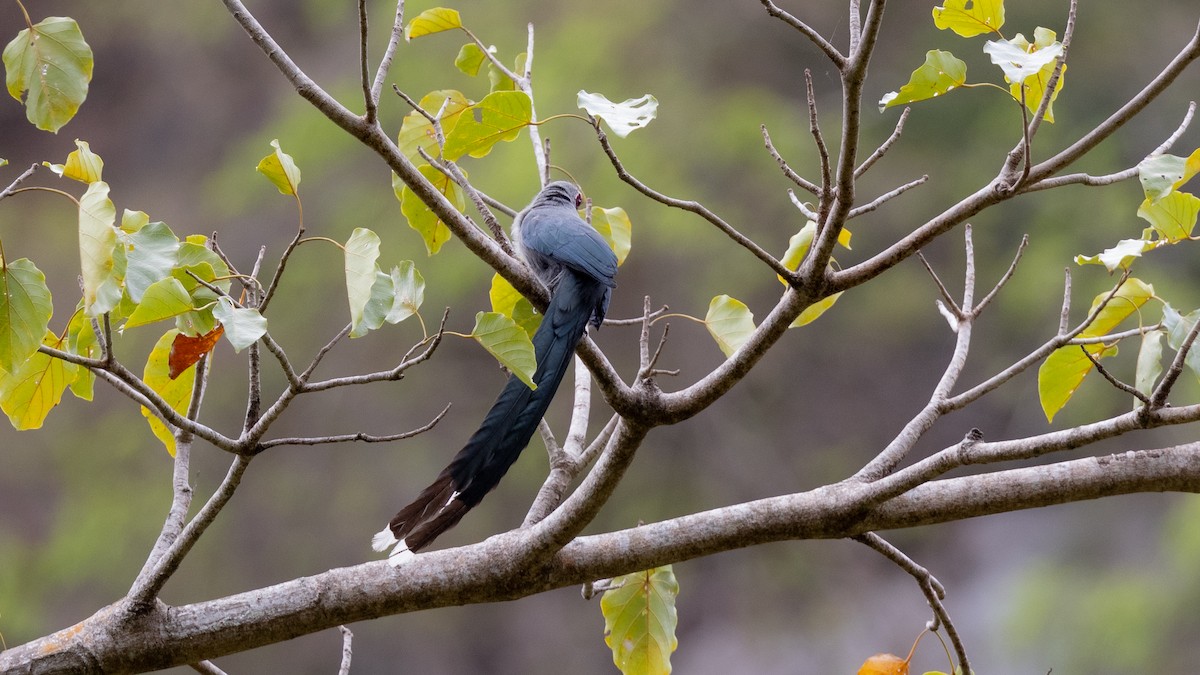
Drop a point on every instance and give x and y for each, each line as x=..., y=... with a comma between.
x=564, y=238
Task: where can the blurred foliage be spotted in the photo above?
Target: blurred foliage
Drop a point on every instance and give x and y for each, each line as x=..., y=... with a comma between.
x=182, y=115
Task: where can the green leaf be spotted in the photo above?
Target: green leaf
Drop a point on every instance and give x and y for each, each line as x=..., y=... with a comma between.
x=1173, y=216
x=1122, y=255
x=81, y=340
x=164, y=299
x=243, y=325
x=177, y=392
x=383, y=296
x=469, y=59
x=508, y=342
x=983, y=16
x=29, y=392
x=432, y=21
x=613, y=224
x=51, y=64
x=640, y=621
x=408, y=291
x=940, y=73
x=420, y=217
x=498, y=80
x=815, y=310
x=25, y=311
x=509, y=302
x=500, y=116
x=1064, y=370
x=362, y=250
x=1019, y=59
x=417, y=132
x=1149, y=362
x=730, y=322
x=150, y=253
x=97, y=238
x=194, y=254
x=1178, y=327
x=281, y=170
x=624, y=117
x=132, y=221
x=82, y=164
x=1163, y=174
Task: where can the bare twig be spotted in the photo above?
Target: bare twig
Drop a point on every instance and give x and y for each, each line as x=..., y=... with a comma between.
x=791, y=175
x=206, y=667
x=1112, y=380
x=814, y=128
x=369, y=100
x=389, y=53
x=346, y=438
x=946, y=297
x=1159, y=397
x=691, y=207
x=1012, y=267
x=807, y=31
x=808, y=213
x=347, y=643
x=885, y=146
x=932, y=589
x=181, y=486
x=884, y=198
x=147, y=587
x=12, y=187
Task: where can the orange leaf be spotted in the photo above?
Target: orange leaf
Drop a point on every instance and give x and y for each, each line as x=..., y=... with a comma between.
x=187, y=350
x=884, y=664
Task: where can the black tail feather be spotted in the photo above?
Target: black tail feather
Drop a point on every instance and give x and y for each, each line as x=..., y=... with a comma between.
x=509, y=424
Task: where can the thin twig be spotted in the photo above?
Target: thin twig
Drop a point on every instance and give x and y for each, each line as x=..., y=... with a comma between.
x=181, y=486
x=942, y=290
x=1159, y=397
x=1112, y=380
x=808, y=213
x=145, y=589
x=451, y=170
x=885, y=146
x=206, y=667
x=347, y=648
x=791, y=175
x=347, y=438
x=885, y=197
x=369, y=100
x=691, y=207
x=932, y=589
x=12, y=187
x=807, y=31
x=1012, y=268
x=814, y=128
x=385, y=63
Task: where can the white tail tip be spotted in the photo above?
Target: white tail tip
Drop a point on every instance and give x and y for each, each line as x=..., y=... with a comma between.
x=383, y=539
x=400, y=555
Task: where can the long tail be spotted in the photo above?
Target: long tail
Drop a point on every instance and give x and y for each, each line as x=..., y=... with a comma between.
x=505, y=431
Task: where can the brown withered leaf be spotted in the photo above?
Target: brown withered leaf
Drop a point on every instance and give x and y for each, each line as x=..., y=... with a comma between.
x=187, y=350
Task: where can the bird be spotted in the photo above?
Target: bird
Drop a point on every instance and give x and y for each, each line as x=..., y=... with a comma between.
x=579, y=268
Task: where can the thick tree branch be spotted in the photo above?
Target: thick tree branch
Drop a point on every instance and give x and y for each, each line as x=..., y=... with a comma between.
x=113, y=640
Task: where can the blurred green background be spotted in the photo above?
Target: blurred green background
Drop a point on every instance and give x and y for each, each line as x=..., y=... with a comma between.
x=183, y=105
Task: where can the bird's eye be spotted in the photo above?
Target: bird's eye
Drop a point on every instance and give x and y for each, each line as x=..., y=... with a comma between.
x=579, y=201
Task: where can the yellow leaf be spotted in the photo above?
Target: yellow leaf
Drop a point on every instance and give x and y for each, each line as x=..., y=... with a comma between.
x=281, y=170
x=29, y=393
x=983, y=16
x=432, y=21
x=82, y=165
x=176, y=392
